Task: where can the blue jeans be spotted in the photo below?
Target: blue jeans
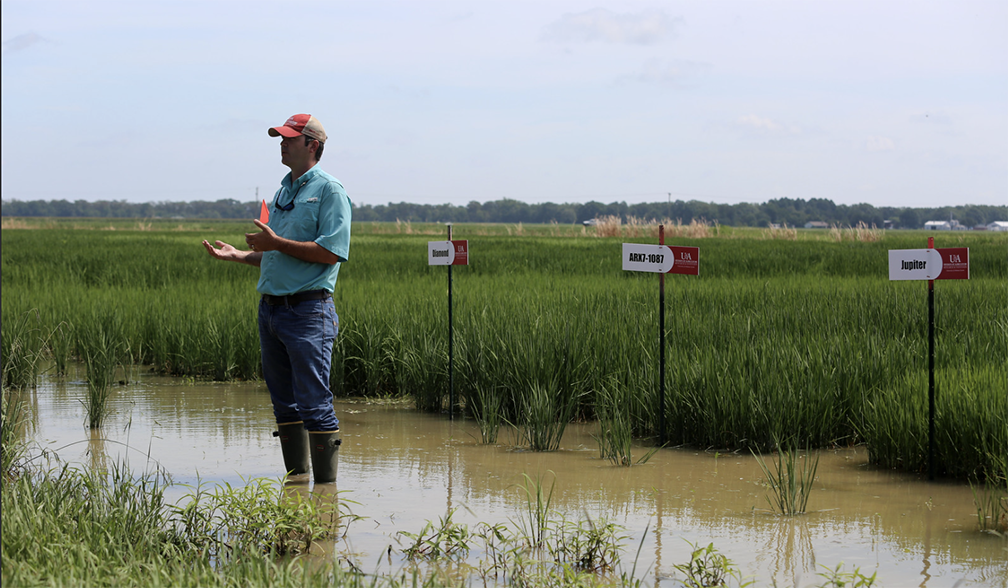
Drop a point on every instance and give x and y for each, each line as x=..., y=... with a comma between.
x=297, y=343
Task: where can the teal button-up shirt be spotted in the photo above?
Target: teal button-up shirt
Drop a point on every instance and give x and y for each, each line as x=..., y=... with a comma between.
x=321, y=213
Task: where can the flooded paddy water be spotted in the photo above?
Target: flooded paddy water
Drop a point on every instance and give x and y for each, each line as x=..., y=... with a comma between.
x=401, y=468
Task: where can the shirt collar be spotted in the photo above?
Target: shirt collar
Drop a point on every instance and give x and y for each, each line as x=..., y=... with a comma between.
x=304, y=179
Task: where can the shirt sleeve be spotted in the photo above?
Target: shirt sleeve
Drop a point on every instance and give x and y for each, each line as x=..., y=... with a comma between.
x=334, y=221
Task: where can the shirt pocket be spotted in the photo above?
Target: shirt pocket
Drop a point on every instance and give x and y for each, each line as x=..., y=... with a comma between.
x=306, y=222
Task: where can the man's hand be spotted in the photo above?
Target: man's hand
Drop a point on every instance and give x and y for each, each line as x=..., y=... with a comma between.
x=264, y=240
x=226, y=252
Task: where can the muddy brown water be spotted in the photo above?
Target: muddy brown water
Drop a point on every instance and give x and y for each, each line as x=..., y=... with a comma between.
x=402, y=469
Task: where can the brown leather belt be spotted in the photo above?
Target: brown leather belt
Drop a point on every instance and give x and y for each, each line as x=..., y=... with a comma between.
x=292, y=299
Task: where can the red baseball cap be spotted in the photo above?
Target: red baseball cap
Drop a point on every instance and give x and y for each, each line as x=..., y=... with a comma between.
x=300, y=124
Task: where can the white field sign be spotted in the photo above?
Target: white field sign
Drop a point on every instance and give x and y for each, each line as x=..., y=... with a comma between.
x=914, y=264
x=639, y=257
x=448, y=252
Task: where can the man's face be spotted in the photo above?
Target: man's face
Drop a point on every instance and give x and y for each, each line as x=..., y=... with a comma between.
x=294, y=153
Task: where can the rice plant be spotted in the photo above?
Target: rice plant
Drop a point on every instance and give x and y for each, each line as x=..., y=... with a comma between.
x=790, y=482
x=102, y=350
x=482, y=383
x=777, y=337
x=991, y=502
x=485, y=405
x=971, y=439
x=615, y=425
x=22, y=345
x=61, y=347
x=14, y=423
x=425, y=367
x=544, y=416
x=990, y=498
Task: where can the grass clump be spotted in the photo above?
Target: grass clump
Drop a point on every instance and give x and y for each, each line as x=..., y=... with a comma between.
x=613, y=407
x=13, y=424
x=102, y=349
x=991, y=499
x=22, y=347
x=83, y=527
x=258, y=517
x=791, y=480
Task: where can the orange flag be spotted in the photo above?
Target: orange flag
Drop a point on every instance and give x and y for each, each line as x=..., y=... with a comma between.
x=264, y=213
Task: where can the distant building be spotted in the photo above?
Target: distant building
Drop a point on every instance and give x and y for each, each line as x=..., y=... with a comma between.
x=816, y=225
x=949, y=225
x=998, y=226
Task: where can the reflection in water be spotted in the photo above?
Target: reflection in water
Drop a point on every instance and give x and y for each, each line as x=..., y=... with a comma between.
x=96, y=451
x=401, y=469
x=788, y=550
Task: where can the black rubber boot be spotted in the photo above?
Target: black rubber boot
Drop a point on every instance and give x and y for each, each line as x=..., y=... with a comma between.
x=294, y=445
x=325, y=455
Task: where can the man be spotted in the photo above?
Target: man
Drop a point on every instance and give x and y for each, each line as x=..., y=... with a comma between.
x=299, y=253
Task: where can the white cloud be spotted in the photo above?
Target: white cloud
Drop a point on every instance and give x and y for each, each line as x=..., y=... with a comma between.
x=20, y=42
x=765, y=125
x=599, y=24
x=880, y=144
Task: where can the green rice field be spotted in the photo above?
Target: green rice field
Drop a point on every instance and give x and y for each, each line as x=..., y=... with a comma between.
x=795, y=335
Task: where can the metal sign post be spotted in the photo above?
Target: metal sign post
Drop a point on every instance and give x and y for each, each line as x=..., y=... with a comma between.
x=661, y=259
x=661, y=346
x=451, y=347
x=931, y=389
x=930, y=264
x=449, y=253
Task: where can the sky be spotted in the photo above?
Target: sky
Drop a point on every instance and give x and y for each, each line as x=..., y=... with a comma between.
x=886, y=102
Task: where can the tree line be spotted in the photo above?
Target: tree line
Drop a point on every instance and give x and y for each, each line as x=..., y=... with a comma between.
x=781, y=211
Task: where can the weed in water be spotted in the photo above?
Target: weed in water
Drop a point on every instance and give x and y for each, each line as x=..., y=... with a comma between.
x=592, y=546
x=790, y=483
x=709, y=567
x=840, y=578
x=445, y=540
x=71, y=527
x=535, y=522
x=257, y=517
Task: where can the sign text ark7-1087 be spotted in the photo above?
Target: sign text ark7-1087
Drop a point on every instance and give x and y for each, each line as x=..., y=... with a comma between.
x=661, y=259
